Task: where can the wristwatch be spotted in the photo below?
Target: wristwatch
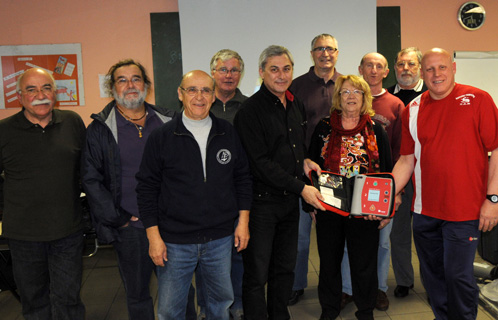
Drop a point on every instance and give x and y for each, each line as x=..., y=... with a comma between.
x=492, y=197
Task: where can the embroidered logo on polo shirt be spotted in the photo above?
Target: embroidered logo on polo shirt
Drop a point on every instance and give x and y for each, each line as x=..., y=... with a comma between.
x=465, y=99
x=224, y=156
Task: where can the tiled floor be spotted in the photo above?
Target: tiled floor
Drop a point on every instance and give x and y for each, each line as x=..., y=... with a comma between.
x=104, y=297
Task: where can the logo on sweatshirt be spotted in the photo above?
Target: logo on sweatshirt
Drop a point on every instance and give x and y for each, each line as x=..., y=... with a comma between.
x=224, y=156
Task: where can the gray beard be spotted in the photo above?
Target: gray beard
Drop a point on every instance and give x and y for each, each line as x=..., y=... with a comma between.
x=130, y=104
x=408, y=83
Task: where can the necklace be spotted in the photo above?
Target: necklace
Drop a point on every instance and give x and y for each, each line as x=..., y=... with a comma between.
x=139, y=128
x=131, y=119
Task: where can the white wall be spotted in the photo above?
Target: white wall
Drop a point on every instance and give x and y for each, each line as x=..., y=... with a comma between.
x=478, y=69
x=249, y=26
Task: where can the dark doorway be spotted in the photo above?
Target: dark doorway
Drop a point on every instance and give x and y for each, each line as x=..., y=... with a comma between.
x=389, y=38
x=166, y=58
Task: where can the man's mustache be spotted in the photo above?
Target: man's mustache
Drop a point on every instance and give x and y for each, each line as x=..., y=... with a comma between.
x=38, y=102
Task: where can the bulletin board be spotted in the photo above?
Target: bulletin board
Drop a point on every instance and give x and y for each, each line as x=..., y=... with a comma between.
x=62, y=61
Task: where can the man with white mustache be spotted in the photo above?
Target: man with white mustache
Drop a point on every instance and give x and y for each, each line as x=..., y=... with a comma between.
x=410, y=85
x=40, y=151
x=114, y=146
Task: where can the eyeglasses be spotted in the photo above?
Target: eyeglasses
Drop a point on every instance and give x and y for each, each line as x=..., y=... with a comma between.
x=322, y=49
x=356, y=92
x=225, y=71
x=192, y=91
x=411, y=64
x=134, y=81
x=31, y=92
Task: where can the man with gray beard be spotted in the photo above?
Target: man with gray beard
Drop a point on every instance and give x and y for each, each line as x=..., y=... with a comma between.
x=407, y=67
x=114, y=146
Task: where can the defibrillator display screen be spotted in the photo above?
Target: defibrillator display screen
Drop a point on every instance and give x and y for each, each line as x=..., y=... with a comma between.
x=374, y=195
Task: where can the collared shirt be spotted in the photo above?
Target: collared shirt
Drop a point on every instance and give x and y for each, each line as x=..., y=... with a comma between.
x=450, y=139
x=417, y=88
x=273, y=137
x=41, y=165
x=131, y=148
x=407, y=95
x=316, y=95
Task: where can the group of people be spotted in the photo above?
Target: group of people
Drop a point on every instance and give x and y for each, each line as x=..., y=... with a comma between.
x=218, y=192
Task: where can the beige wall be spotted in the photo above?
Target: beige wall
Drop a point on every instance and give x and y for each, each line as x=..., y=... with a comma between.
x=108, y=31
x=428, y=24
x=111, y=30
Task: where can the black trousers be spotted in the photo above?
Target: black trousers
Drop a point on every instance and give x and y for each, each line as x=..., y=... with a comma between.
x=270, y=256
x=48, y=275
x=135, y=267
x=362, y=238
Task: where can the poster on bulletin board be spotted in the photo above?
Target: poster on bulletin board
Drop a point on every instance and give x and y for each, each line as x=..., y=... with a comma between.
x=62, y=61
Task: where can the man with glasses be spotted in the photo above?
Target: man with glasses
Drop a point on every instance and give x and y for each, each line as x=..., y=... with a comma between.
x=42, y=218
x=272, y=126
x=114, y=145
x=314, y=89
x=410, y=85
x=407, y=68
x=227, y=67
x=193, y=183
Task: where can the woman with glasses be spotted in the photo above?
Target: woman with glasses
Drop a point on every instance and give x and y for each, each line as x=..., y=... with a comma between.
x=349, y=143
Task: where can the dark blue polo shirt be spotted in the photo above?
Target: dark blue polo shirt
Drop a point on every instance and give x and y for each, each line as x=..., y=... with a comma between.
x=131, y=148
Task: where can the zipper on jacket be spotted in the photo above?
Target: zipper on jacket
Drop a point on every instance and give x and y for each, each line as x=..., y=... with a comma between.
x=207, y=145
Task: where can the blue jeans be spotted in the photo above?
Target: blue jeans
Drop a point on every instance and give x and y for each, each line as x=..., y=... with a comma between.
x=303, y=250
x=383, y=261
x=236, y=275
x=135, y=267
x=213, y=262
x=446, y=251
x=48, y=275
